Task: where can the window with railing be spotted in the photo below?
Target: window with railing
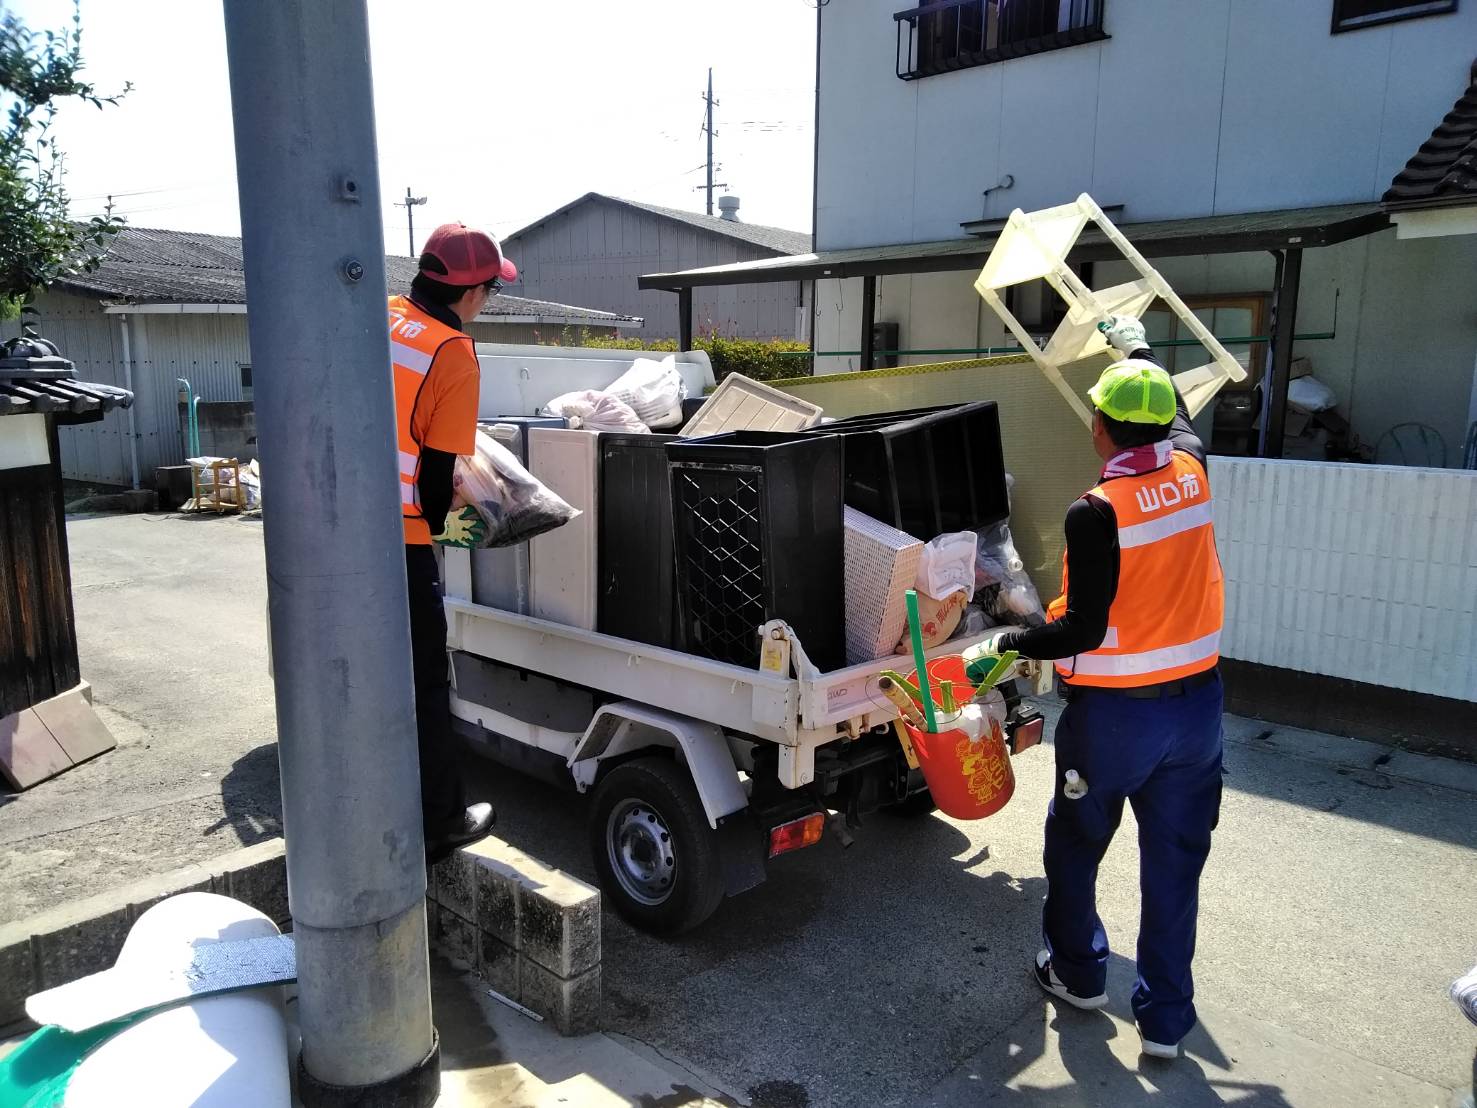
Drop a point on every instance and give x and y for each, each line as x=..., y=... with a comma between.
x=1351, y=15
x=946, y=35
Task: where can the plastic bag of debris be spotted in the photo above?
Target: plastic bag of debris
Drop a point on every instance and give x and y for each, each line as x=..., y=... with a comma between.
x=591, y=410
x=513, y=503
x=653, y=390
x=1002, y=587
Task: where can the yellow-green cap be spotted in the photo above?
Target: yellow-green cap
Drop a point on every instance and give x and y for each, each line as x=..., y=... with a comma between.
x=1135, y=391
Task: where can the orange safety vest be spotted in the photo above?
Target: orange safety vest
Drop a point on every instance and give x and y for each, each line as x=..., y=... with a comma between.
x=1165, y=619
x=414, y=339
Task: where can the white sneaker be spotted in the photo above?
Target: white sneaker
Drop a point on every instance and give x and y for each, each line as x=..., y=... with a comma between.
x=1158, y=1050
x=1048, y=980
x=1464, y=992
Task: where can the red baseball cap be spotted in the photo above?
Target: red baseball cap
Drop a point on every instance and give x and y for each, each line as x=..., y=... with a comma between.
x=470, y=257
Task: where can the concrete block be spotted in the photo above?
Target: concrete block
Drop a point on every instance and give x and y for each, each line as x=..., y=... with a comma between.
x=17, y=973
x=498, y=966
x=257, y=875
x=497, y=901
x=456, y=885
x=571, y=1004
x=559, y=925
x=456, y=938
x=88, y=943
x=555, y=919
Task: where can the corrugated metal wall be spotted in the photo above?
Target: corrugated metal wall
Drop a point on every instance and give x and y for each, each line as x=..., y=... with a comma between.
x=93, y=451
x=207, y=350
x=1362, y=572
x=592, y=255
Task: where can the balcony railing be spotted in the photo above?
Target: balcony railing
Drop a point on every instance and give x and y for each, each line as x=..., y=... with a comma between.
x=957, y=34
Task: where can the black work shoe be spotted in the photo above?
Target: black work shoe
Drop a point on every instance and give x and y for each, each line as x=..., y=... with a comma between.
x=477, y=821
x=1048, y=980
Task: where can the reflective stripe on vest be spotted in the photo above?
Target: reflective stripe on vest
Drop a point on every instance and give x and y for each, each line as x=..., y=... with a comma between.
x=1165, y=619
x=414, y=339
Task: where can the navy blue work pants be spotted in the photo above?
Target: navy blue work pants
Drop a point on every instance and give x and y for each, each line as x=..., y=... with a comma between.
x=1164, y=757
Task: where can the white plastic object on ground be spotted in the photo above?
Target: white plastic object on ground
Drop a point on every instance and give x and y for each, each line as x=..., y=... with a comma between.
x=1034, y=246
x=1073, y=787
x=653, y=390
x=947, y=565
x=1310, y=395
x=220, y=1052
x=591, y=410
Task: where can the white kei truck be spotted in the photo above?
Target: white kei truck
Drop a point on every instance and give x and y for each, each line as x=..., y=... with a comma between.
x=699, y=771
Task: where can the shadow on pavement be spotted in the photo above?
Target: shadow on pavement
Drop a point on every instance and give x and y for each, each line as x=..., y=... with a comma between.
x=251, y=797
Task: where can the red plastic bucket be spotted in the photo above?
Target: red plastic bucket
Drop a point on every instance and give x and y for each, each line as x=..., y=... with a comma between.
x=969, y=778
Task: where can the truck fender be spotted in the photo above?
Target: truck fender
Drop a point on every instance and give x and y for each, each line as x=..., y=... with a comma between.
x=624, y=727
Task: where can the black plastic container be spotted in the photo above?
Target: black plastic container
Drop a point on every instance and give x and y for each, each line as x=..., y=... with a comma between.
x=926, y=471
x=757, y=523
x=638, y=594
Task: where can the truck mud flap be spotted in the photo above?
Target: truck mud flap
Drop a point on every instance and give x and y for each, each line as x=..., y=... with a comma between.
x=741, y=853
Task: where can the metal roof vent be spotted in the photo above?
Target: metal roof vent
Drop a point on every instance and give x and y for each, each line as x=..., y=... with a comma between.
x=728, y=208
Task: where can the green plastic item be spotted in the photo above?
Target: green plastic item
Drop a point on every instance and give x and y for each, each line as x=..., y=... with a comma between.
x=903, y=683
x=986, y=671
x=36, y=1073
x=920, y=661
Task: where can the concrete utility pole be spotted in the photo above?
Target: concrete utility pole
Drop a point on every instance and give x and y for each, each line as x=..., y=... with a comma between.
x=409, y=205
x=312, y=235
x=708, y=127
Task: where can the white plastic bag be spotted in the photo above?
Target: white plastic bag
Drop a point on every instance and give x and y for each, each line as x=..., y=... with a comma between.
x=513, y=503
x=653, y=390
x=1005, y=591
x=592, y=410
x=947, y=566
x=1310, y=395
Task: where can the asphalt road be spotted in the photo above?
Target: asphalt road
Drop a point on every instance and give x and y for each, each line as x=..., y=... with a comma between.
x=1338, y=903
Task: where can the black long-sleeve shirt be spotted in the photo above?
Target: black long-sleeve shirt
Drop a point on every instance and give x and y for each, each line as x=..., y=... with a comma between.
x=433, y=480
x=1092, y=563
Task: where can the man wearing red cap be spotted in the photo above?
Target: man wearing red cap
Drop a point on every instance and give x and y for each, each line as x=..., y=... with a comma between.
x=436, y=392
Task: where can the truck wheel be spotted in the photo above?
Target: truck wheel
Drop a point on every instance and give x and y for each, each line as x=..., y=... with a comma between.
x=655, y=853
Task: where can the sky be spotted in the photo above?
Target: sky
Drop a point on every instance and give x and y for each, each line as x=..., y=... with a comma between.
x=541, y=103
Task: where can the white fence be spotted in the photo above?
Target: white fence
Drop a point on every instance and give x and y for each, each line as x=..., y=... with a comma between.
x=1356, y=571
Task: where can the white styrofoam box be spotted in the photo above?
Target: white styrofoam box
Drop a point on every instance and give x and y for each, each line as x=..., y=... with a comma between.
x=564, y=566
x=1358, y=571
x=881, y=566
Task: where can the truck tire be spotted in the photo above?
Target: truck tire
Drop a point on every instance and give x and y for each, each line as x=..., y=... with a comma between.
x=656, y=857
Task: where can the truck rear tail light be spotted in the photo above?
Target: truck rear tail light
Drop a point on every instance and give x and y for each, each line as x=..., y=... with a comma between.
x=1027, y=733
x=797, y=833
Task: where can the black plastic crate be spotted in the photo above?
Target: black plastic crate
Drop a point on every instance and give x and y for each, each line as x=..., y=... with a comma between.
x=638, y=594
x=926, y=471
x=757, y=525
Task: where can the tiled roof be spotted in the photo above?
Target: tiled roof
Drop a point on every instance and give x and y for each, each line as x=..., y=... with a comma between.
x=775, y=239
x=60, y=396
x=150, y=266
x=1444, y=169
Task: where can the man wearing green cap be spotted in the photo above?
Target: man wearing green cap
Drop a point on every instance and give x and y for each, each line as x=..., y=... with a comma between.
x=1135, y=636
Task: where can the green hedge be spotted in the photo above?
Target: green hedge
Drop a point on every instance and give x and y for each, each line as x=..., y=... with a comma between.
x=757, y=359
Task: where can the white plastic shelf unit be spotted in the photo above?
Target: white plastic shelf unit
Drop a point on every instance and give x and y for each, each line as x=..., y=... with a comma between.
x=1034, y=246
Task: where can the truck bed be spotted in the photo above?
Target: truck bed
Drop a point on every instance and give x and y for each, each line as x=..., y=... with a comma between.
x=809, y=708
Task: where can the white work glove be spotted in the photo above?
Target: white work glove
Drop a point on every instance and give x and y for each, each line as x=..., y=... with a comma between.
x=1124, y=333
